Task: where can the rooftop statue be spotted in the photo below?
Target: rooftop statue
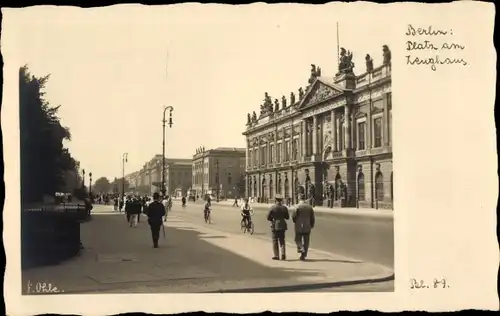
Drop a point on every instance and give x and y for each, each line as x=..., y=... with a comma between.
x=315, y=72
x=387, y=55
x=346, y=64
x=292, y=98
x=249, y=119
x=301, y=93
x=276, y=105
x=369, y=63
x=283, y=102
x=254, y=117
x=268, y=103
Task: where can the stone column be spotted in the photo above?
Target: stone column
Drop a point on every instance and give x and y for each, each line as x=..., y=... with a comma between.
x=334, y=131
x=303, y=139
x=385, y=122
x=275, y=154
x=247, y=162
x=315, y=135
x=283, y=144
x=369, y=132
x=347, y=124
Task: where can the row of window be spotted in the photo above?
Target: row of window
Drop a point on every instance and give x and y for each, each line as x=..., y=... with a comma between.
x=265, y=155
x=378, y=126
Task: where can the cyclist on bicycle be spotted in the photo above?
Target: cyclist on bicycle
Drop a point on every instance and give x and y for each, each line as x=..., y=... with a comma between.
x=206, y=210
x=246, y=213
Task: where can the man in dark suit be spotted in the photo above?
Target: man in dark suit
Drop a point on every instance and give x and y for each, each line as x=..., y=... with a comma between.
x=155, y=213
x=303, y=217
x=277, y=217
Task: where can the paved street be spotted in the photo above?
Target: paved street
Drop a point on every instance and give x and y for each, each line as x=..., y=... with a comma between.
x=195, y=257
x=369, y=238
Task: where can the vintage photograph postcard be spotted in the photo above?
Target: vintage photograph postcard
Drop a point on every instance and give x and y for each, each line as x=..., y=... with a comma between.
x=168, y=159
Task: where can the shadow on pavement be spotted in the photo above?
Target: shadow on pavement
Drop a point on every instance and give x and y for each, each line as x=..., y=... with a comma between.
x=117, y=258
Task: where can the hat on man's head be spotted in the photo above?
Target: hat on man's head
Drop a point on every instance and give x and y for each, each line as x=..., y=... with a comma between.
x=278, y=197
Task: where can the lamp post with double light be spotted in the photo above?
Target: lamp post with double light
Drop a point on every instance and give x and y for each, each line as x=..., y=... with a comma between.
x=170, y=123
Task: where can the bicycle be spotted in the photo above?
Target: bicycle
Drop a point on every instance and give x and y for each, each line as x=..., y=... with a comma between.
x=247, y=226
x=208, y=217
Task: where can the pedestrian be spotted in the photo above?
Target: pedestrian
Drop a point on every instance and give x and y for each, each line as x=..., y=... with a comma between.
x=128, y=210
x=235, y=202
x=167, y=204
x=155, y=213
x=277, y=217
x=304, y=220
x=134, y=209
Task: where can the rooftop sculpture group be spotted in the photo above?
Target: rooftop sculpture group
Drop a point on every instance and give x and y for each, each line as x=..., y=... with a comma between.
x=346, y=66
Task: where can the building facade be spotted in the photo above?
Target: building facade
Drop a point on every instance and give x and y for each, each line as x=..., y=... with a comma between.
x=219, y=172
x=332, y=143
x=148, y=180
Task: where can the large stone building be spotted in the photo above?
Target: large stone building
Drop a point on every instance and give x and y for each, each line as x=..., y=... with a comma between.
x=148, y=180
x=219, y=171
x=333, y=142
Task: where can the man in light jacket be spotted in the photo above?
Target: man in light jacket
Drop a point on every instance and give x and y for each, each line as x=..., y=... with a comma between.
x=303, y=217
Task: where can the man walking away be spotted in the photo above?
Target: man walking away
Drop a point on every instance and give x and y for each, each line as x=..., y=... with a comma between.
x=235, y=202
x=135, y=209
x=303, y=217
x=155, y=213
x=128, y=210
x=277, y=217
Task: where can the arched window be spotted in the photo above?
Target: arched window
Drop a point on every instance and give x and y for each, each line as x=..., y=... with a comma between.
x=279, y=186
x=254, y=188
x=379, y=186
x=361, y=186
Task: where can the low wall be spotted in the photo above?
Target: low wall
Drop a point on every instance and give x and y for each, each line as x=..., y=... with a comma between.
x=50, y=235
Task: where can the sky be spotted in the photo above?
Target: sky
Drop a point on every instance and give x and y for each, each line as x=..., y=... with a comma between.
x=113, y=69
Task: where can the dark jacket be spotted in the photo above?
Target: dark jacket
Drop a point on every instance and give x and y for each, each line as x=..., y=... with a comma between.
x=278, y=214
x=303, y=217
x=135, y=207
x=155, y=212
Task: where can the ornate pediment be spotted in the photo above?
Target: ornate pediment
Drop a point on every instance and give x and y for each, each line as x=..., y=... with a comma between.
x=317, y=93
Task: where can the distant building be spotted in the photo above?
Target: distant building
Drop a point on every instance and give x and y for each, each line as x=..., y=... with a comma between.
x=148, y=180
x=333, y=142
x=219, y=171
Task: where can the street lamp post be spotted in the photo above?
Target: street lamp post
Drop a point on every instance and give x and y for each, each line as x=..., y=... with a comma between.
x=217, y=178
x=90, y=184
x=83, y=178
x=170, y=123
x=124, y=160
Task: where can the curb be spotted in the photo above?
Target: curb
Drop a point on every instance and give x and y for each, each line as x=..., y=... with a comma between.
x=302, y=287
x=353, y=212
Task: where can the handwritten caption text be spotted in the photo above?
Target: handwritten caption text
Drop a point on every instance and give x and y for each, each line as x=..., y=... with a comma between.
x=432, y=47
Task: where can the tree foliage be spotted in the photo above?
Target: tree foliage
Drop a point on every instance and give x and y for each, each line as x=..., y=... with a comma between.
x=102, y=185
x=43, y=156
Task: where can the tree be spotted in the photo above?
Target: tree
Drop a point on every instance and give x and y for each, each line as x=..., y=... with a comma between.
x=102, y=185
x=44, y=160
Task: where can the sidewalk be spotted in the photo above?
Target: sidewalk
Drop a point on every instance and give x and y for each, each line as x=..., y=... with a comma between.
x=193, y=258
x=350, y=211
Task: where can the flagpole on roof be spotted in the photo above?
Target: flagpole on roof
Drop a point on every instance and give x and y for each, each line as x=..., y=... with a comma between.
x=338, y=47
